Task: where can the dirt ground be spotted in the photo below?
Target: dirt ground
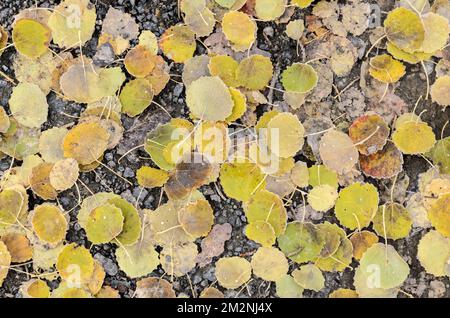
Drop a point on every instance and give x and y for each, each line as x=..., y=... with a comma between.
x=157, y=15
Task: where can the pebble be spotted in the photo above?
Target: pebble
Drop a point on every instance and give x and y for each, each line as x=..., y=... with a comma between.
x=109, y=265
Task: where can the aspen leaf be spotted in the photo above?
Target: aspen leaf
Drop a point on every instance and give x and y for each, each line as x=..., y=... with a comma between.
x=190, y=173
x=299, y=78
x=343, y=293
x=152, y=287
x=49, y=223
x=18, y=246
x=331, y=234
x=301, y=242
x=414, y=137
x=239, y=29
x=137, y=260
x=383, y=164
x=269, y=10
x=439, y=214
x=136, y=96
x=341, y=258
x=440, y=91
x=31, y=38
x=241, y=179
x=197, y=218
x=433, y=253
x=104, y=224
x=440, y=154
x=40, y=181
x=309, y=277
x=118, y=28
x=211, y=292
x=302, y=3
x=233, y=272
x=179, y=259
x=158, y=139
x=261, y=232
x=239, y=107
x=178, y=43
x=322, y=197
x=405, y=29
x=287, y=287
x=51, y=144
x=370, y=133
x=356, y=205
x=200, y=103
x=5, y=262
x=295, y=29
x=285, y=135
x=268, y=207
x=391, y=267
x=148, y=177
x=338, y=151
x=75, y=264
x=225, y=67
x=28, y=105
x=392, y=221
x=411, y=58
x=86, y=142
x=72, y=23
x=269, y=263
x=132, y=225
x=361, y=241
x=436, y=32
x=139, y=61
x=320, y=175
x=35, y=288
x=385, y=69
x=85, y=83
x=64, y=174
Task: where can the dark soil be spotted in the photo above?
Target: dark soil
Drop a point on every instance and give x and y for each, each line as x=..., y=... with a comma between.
x=157, y=15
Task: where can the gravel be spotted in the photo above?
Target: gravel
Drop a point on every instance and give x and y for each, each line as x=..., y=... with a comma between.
x=157, y=15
